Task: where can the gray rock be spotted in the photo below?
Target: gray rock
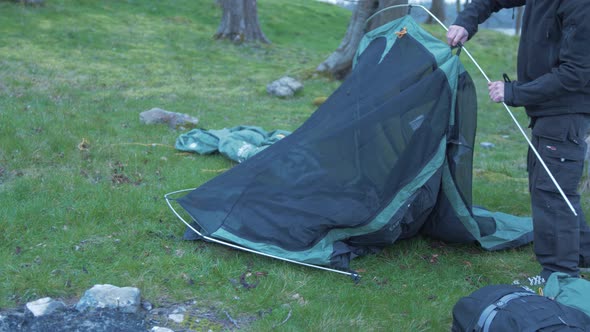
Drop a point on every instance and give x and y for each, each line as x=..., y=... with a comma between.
x=147, y=305
x=174, y=120
x=124, y=299
x=487, y=145
x=179, y=310
x=284, y=87
x=161, y=329
x=44, y=306
x=178, y=318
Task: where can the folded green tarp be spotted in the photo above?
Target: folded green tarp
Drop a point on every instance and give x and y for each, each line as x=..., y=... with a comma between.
x=237, y=143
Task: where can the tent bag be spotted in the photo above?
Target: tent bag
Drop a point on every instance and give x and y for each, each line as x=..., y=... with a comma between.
x=568, y=290
x=513, y=308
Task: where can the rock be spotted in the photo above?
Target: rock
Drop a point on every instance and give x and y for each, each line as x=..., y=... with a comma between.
x=487, y=145
x=44, y=306
x=124, y=299
x=161, y=329
x=107, y=319
x=179, y=310
x=178, y=318
x=174, y=120
x=284, y=87
x=147, y=305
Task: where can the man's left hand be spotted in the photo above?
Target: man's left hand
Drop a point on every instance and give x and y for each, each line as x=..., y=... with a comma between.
x=496, y=91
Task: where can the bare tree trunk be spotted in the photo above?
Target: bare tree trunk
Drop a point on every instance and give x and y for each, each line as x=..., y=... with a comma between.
x=239, y=22
x=386, y=16
x=518, y=24
x=458, y=6
x=438, y=9
x=339, y=63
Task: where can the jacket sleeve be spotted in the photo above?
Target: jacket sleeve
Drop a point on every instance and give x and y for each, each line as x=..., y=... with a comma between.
x=573, y=72
x=478, y=11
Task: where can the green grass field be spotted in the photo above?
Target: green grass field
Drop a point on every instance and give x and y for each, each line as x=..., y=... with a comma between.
x=82, y=180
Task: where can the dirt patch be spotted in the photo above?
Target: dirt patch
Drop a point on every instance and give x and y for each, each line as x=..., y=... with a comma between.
x=196, y=318
x=72, y=320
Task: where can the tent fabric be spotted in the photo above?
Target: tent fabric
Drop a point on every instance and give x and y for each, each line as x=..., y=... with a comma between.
x=386, y=157
x=568, y=290
x=237, y=143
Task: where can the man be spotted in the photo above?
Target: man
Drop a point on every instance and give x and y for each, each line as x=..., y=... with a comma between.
x=553, y=86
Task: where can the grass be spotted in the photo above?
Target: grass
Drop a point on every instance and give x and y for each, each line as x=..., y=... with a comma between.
x=82, y=181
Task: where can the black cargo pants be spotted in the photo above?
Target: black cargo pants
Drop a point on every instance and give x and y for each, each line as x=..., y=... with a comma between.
x=561, y=239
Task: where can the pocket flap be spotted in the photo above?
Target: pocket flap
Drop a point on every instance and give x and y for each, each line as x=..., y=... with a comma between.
x=561, y=151
x=553, y=128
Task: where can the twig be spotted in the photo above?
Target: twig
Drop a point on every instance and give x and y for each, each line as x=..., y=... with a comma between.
x=145, y=144
x=214, y=170
x=284, y=321
x=231, y=319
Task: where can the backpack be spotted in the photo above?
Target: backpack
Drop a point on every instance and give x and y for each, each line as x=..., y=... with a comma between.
x=513, y=308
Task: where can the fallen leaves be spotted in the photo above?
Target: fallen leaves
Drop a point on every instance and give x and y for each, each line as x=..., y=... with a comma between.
x=381, y=281
x=179, y=253
x=84, y=145
x=246, y=284
x=477, y=280
x=190, y=281
x=300, y=299
x=248, y=279
x=119, y=177
x=432, y=259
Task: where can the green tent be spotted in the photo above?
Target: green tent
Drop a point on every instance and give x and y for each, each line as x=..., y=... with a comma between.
x=386, y=157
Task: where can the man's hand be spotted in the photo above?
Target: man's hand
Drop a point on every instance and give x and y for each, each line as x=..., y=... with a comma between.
x=496, y=91
x=456, y=34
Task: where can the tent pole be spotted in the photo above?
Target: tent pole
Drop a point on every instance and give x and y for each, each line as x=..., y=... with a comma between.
x=569, y=204
x=355, y=276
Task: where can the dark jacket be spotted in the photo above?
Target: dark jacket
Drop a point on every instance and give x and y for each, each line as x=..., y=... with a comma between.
x=553, y=55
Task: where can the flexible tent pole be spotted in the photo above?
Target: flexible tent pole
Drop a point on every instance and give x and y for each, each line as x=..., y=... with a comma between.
x=569, y=204
x=355, y=276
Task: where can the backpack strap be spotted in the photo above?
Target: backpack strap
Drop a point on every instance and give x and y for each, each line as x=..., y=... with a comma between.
x=488, y=314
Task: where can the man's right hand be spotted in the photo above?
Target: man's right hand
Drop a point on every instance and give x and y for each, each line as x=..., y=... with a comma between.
x=457, y=34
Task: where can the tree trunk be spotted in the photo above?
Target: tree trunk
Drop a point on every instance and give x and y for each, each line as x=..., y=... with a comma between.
x=339, y=63
x=386, y=16
x=518, y=24
x=437, y=8
x=239, y=22
x=458, y=6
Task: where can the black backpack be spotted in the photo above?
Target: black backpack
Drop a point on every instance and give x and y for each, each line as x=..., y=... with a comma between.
x=508, y=308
